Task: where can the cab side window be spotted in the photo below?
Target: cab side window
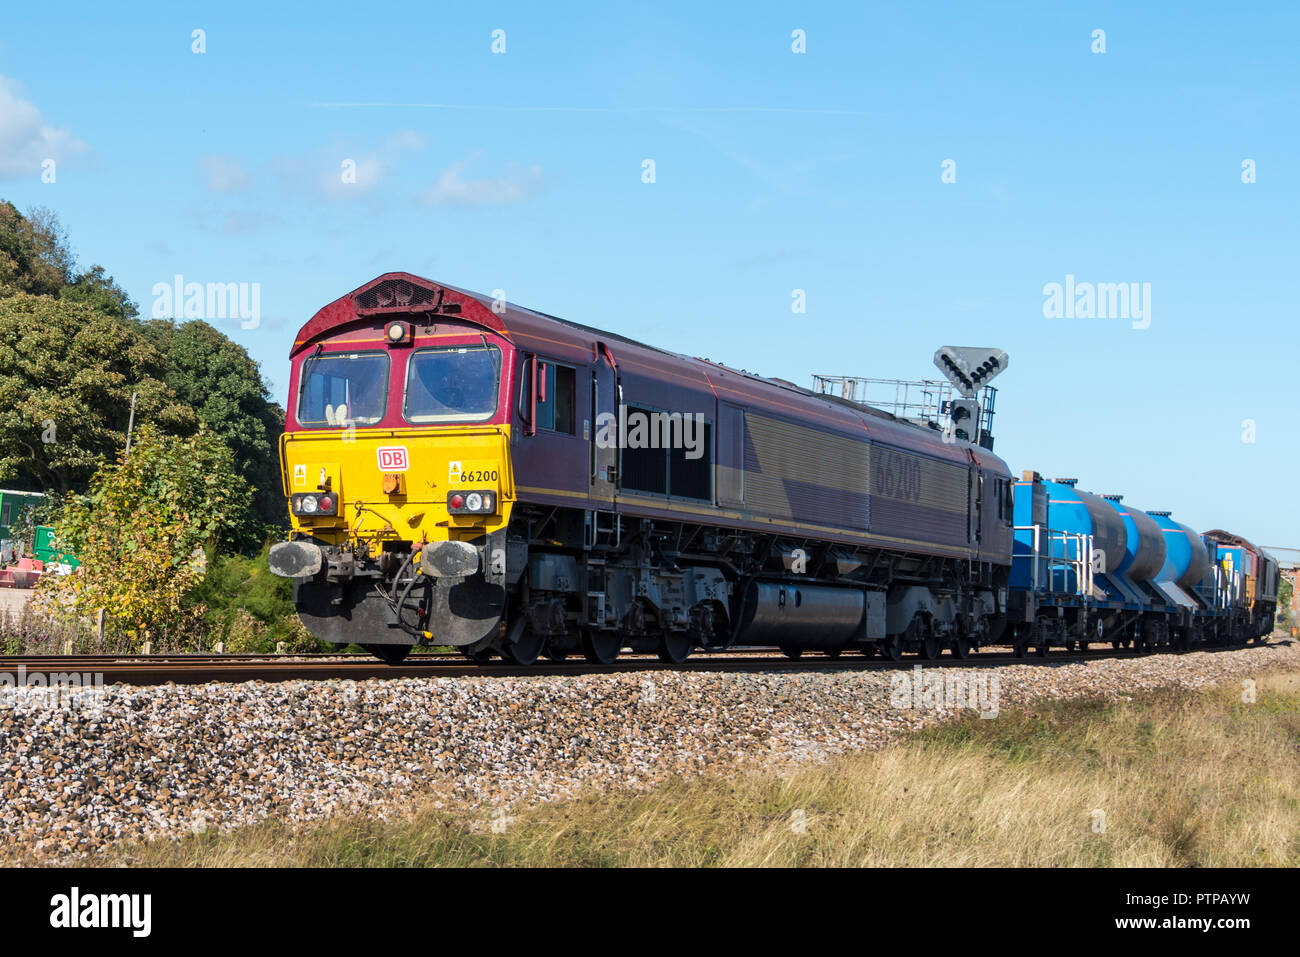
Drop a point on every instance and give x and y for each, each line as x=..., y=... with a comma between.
x=555, y=406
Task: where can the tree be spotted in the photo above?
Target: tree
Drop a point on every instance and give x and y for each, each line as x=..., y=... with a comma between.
x=72, y=352
x=97, y=289
x=67, y=372
x=145, y=533
x=217, y=378
x=1284, y=590
x=34, y=255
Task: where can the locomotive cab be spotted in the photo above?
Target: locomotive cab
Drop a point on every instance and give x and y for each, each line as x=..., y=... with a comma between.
x=396, y=467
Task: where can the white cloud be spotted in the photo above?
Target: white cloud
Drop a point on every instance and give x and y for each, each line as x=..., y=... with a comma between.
x=365, y=170
x=452, y=190
x=26, y=139
x=224, y=174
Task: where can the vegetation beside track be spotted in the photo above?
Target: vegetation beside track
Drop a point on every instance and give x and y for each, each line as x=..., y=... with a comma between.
x=79, y=369
x=1180, y=778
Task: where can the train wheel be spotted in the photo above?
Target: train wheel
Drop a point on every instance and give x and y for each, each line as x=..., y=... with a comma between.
x=792, y=653
x=1020, y=649
x=389, y=654
x=675, y=647
x=555, y=654
x=1041, y=649
x=930, y=648
x=1070, y=646
x=961, y=648
x=523, y=645
x=832, y=652
x=601, y=647
x=893, y=648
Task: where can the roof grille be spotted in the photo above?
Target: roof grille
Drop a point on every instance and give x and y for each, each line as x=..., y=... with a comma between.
x=397, y=295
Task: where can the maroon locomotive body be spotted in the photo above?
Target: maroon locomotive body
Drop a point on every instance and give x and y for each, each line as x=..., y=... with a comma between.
x=642, y=499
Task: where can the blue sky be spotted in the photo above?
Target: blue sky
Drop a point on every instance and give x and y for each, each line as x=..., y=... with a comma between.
x=775, y=171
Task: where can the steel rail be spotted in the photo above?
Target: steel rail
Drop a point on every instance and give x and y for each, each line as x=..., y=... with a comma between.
x=202, y=669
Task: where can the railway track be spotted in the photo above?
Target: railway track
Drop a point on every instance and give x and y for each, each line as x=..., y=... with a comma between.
x=201, y=669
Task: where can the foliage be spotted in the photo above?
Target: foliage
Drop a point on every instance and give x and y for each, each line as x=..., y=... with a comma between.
x=97, y=289
x=28, y=632
x=1284, y=589
x=145, y=533
x=72, y=353
x=34, y=254
x=216, y=377
x=249, y=608
x=67, y=373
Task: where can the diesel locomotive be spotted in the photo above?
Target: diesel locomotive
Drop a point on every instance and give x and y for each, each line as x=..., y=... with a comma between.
x=463, y=471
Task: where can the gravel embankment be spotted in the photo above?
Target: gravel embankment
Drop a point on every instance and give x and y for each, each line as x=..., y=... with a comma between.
x=165, y=760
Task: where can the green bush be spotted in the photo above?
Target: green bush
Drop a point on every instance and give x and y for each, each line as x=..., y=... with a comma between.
x=251, y=609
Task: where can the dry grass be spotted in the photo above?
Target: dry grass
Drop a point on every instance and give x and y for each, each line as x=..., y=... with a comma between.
x=1184, y=778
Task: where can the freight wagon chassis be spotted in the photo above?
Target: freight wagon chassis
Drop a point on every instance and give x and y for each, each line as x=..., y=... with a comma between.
x=1076, y=626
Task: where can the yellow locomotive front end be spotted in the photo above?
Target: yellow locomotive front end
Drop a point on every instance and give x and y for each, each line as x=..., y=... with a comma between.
x=396, y=468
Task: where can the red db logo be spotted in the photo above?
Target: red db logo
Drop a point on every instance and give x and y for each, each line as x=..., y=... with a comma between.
x=393, y=459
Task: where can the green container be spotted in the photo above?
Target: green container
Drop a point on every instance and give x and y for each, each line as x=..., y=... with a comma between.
x=12, y=504
x=46, y=549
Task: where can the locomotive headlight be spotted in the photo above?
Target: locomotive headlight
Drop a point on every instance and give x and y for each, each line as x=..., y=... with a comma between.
x=315, y=504
x=482, y=502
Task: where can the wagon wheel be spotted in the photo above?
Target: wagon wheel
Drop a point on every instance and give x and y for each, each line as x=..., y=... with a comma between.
x=523, y=644
x=893, y=647
x=930, y=647
x=389, y=654
x=675, y=647
x=601, y=647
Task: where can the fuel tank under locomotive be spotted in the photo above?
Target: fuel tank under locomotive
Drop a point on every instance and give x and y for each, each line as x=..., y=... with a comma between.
x=802, y=616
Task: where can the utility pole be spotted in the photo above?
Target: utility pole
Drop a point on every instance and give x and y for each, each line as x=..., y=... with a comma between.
x=130, y=424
